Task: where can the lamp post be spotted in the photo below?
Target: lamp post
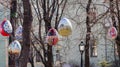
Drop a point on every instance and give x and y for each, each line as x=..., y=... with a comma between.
x=81, y=49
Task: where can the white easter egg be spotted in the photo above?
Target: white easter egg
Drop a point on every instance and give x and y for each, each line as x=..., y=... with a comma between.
x=14, y=48
x=65, y=27
x=18, y=33
x=7, y=27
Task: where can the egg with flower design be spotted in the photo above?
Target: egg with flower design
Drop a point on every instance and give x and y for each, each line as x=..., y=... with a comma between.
x=52, y=37
x=14, y=48
x=18, y=33
x=6, y=28
x=112, y=33
x=65, y=27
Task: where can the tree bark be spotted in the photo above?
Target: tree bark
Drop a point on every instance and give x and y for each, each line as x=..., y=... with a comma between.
x=13, y=11
x=49, y=62
x=114, y=23
x=31, y=60
x=118, y=37
x=50, y=57
x=27, y=23
x=87, y=59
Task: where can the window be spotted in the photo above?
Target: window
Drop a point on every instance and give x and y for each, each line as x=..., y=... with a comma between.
x=93, y=48
x=116, y=50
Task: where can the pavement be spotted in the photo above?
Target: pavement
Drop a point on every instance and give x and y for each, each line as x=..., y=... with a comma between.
x=37, y=64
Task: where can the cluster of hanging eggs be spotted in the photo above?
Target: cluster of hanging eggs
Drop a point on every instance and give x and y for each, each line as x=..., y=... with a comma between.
x=15, y=47
x=6, y=29
x=64, y=29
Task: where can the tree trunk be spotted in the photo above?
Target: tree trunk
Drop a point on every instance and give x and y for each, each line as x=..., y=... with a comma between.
x=13, y=10
x=50, y=57
x=112, y=5
x=113, y=16
x=31, y=56
x=49, y=62
x=27, y=23
x=87, y=60
x=118, y=37
x=31, y=60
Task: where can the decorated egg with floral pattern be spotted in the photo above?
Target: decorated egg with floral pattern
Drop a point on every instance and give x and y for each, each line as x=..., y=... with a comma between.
x=65, y=27
x=18, y=33
x=112, y=33
x=14, y=48
x=52, y=37
x=6, y=28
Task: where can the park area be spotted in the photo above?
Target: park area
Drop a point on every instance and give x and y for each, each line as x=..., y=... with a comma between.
x=60, y=33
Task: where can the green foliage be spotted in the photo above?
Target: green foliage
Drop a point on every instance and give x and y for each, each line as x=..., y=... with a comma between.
x=13, y=14
x=104, y=63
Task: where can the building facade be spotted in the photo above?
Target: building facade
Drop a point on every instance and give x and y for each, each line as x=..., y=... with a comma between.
x=101, y=48
x=4, y=13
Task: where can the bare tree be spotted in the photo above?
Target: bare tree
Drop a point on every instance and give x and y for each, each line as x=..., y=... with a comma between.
x=27, y=24
x=115, y=13
x=48, y=12
x=13, y=10
x=91, y=20
x=87, y=61
x=118, y=18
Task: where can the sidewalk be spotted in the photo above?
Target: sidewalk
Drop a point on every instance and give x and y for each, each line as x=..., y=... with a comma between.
x=38, y=64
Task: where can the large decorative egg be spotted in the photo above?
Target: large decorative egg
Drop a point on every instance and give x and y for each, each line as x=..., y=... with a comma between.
x=112, y=33
x=6, y=28
x=14, y=48
x=52, y=37
x=65, y=27
x=18, y=33
x=3, y=33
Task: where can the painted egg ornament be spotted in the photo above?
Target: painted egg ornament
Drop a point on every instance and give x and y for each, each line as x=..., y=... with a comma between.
x=65, y=27
x=3, y=33
x=52, y=37
x=112, y=33
x=6, y=28
x=14, y=48
x=18, y=33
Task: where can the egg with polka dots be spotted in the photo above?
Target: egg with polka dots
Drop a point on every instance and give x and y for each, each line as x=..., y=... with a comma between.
x=7, y=27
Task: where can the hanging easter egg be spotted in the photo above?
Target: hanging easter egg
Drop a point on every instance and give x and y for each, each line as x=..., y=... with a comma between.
x=52, y=37
x=6, y=28
x=3, y=33
x=14, y=48
x=18, y=33
x=65, y=27
x=112, y=33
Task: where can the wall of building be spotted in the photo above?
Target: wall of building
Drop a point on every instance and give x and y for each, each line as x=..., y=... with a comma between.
x=4, y=13
x=3, y=52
